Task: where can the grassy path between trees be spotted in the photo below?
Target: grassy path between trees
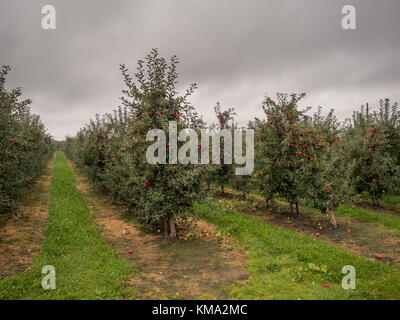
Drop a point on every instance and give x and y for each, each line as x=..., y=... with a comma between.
x=390, y=222
x=205, y=268
x=290, y=265
x=358, y=236
x=87, y=267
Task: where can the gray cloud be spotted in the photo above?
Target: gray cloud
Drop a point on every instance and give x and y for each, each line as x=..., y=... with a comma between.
x=235, y=50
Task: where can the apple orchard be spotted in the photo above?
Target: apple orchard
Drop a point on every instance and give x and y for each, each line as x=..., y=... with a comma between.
x=301, y=156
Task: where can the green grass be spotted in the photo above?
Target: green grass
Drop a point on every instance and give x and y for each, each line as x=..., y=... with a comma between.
x=84, y=270
x=289, y=265
x=391, y=199
x=387, y=221
x=386, y=199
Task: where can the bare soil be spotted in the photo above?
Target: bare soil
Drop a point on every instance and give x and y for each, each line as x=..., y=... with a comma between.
x=22, y=233
x=168, y=268
x=363, y=239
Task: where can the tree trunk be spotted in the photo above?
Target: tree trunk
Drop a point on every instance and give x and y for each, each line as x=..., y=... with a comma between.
x=297, y=208
x=165, y=227
x=374, y=200
x=172, y=227
x=332, y=219
x=222, y=189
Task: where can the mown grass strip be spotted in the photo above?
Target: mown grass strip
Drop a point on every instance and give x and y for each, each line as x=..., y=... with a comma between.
x=86, y=266
x=289, y=265
x=374, y=217
x=391, y=199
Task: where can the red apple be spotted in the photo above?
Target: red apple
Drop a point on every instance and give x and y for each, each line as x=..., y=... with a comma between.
x=378, y=256
x=130, y=251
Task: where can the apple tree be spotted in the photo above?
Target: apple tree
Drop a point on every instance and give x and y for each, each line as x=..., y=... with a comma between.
x=25, y=147
x=113, y=148
x=280, y=144
x=376, y=167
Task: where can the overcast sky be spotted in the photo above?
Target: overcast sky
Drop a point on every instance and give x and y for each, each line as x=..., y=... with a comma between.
x=235, y=50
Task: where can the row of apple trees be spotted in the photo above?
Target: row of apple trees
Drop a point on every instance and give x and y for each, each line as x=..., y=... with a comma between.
x=317, y=160
x=302, y=157
x=25, y=147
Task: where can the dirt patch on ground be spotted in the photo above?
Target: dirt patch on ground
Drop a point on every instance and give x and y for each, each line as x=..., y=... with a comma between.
x=22, y=235
x=169, y=268
x=361, y=238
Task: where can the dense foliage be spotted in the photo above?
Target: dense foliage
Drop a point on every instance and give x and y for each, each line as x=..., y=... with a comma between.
x=25, y=146
x=374, y=142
